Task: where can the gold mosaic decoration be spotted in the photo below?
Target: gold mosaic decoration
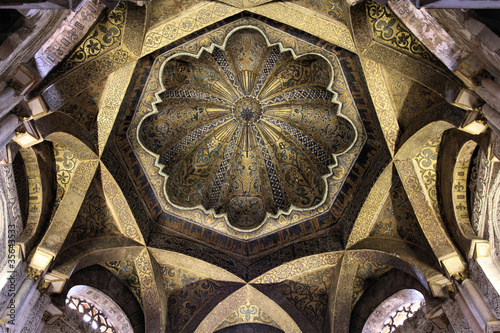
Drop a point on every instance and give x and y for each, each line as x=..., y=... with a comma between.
x=115, y=89
x=219, y=91
x=69, y=35
x=163, y=10
x=262, y=132
x=381, y=99
x=187, y=293
x=460, y=177
x=222, y=76
x=186, y=263
x=119, y=206
x=94, y=219
x=152, y=298
x=248, y=313
x=371, y=207
x=106, y=35
x=410, y=98
x=65, y=168
x=295, y=16
x=309, y=294
x=298, y=267
x=84, y=107
x=109, y=46
x=426, y=161
x=245, y=3
x=366, y=271
x=126, y=271
x=333, y=9
x=397, y=219
x=178, y=27
x=411, y=65
x=389, y=30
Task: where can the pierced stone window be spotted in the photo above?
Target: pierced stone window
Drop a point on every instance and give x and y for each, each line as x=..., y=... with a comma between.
x=98, y=309
x=91, y=314
x=398, y=317
x=393, y=312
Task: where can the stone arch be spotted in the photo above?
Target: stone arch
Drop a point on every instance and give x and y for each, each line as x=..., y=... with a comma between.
x=412, y=162
x=98, y=277
x=456, y=154
x=408, y=148
x=403, y=260
x=10, y=214
x=250, y=328
x=92, y=252
x=232, y=302
x=378, y=291
x=87, y=301
x=494, y=228
x=386, y=316
x=58, y=122
x=40, y=176
x=86, y=163
x=60, y=129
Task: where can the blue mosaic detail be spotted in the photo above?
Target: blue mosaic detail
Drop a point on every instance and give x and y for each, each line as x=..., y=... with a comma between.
x=324, y=157
x=220, y=58
x=190, y=94
x=278, y=193
x=312, y=94
x=221, y=174
x=274, y=56
x=191, y=138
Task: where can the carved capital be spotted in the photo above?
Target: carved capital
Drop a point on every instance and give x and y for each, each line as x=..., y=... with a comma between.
x=46, y=316
x=33, y=273
x=14, y=84
x=493, y=326
x=461, y=276
x=43, y=286
x=452, y=290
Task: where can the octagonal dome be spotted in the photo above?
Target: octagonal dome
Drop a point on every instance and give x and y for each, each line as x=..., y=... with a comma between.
x=247, y=129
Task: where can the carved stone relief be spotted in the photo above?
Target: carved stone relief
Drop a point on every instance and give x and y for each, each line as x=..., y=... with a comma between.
x=36, y=314
x=417, y=323
x=485, y=287
x=455, y=316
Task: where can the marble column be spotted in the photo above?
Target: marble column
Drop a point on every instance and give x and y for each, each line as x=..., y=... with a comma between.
x=7, y=97
x=16, y=304
x=8, y=125
x=32, y=315
x=6, y=94
x=478, y=307
x=469, y=317
x=492, y=87
x=493, y=117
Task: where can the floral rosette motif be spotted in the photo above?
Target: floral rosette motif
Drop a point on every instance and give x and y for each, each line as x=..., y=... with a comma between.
x=246, y=130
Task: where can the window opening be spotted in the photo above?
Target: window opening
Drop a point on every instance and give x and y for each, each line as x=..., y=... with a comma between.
x=398, y=317
x=394, y=311
x=91, y=314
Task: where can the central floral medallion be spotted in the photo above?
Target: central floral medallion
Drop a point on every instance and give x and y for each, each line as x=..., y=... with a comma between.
x=247, y=110
x=246, y=130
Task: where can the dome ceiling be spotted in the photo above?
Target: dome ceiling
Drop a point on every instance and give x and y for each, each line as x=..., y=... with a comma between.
x=267, y=159
x=246, y=130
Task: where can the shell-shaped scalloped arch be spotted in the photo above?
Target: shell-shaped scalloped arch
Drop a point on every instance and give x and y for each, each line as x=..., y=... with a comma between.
x=246, y=129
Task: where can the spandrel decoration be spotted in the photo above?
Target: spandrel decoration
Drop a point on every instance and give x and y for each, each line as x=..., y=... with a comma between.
x=246, y=130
